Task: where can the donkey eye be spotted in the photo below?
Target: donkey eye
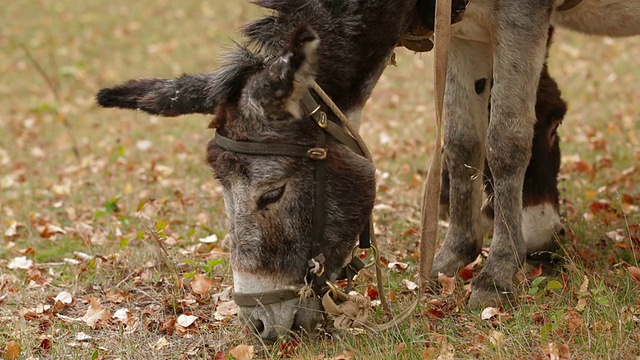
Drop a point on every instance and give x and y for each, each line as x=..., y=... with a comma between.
x=270, y=197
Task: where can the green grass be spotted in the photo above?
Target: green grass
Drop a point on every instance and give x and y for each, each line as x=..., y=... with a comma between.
x=83, y=46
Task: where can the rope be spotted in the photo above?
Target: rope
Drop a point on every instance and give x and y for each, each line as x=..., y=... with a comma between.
x=431, y=195
x=354, y=309
x=367, y=154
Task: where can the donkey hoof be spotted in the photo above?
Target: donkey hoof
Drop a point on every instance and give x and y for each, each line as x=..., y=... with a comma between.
x=447, y=262
x=495, y=296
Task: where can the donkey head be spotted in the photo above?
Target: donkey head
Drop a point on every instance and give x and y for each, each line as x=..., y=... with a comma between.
x=269, y=199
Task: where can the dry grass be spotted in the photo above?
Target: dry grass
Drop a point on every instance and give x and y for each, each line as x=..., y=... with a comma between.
x=131, y=161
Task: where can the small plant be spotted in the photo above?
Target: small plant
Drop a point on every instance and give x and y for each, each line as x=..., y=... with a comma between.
x=205, y=267
x=537, y=288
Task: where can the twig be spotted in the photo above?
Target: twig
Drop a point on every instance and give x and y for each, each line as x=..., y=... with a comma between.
x=53, y=87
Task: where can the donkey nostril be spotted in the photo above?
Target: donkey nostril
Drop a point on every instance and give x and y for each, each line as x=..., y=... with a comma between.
x=561, y=230
x=258, y=326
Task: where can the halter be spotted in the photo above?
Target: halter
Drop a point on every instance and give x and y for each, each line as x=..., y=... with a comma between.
x=317, y=154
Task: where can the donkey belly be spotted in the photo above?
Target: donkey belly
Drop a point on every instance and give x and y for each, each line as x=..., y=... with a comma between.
x=602, y=17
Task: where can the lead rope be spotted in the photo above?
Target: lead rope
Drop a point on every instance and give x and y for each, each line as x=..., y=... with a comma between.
x=355, y=309
x=431, y=195
x=367, y=154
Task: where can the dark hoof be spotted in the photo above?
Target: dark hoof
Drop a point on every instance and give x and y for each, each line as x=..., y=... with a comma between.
x=448, y=263
x=485, y=292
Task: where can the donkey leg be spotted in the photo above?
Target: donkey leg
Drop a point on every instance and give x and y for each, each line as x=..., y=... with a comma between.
x=519, y=49
x=466, y=124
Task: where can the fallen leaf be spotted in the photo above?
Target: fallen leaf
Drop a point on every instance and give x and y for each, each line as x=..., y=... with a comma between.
x=95, y=313
x=201, y=285
x=243, y=352
x=536, y=272
x=582, y=303
x=226, y=309
x=447, y=352
x=159, y=344
x=81, y=336
x=634, y=272
x=429, y=353
x=11, y=350
x=465, y=274
x=448, y=284
x=186, y=320
x=169, y=325
x=209, y=239
x=558, y=352
x=116, y=296
x=372, y=293
x=121, y=314
x=410, y=285
x=496, y=338
x=45, y=344
x=64, y=297
x=398, y=266
x=12, y=229
x=585, y=284
x=20, y=262
x=490, y=313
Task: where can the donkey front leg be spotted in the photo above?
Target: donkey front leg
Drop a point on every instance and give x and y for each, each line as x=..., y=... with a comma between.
x=519, y=48
x=466, y=101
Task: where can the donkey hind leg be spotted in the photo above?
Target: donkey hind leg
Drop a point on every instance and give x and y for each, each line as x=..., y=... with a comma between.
x=519, y=49
x=466, y=100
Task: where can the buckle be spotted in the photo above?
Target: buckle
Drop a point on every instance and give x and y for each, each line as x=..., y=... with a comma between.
x=322, y=119
x=317, y=153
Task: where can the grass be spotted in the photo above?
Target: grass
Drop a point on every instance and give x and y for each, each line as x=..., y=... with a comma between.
x=131, y=161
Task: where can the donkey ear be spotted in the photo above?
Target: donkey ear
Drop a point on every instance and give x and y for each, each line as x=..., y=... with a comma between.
x=167, y=97
x=276, y=93
x=188, y=94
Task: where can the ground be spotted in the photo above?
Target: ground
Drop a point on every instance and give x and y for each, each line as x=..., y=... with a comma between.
x=108, y=217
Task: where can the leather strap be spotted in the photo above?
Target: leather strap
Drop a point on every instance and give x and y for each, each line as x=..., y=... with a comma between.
x=319, y=115
x=266, y=298
x=568, y=5
x=257, y=148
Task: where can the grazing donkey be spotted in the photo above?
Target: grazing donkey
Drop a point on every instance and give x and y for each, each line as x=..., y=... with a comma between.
x=541, y=224
x=271, y=156
x=259, y=97
x=504, y=40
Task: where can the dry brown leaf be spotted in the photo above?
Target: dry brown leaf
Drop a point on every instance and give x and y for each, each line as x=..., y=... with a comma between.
x=535, y=272
x=430, y=353
x=116, y=296
x=410, y=285
x=448, y=284
x=186, y=320
x=169, y=325
x=582, y=303
x=81, y=336
x=490, y=313
x=12, y=229
x=65, y=298
x=201, y=285
x=398, y=266
x=20, y=262
x=634, y=272
x=447, y=352
x=11, y=351
x=558, y=352
x=585, y=284
x=243, y=352
x=45, y=344
x=226, y=309
x=496, y=338
x=95, y=313
x=159, y=344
